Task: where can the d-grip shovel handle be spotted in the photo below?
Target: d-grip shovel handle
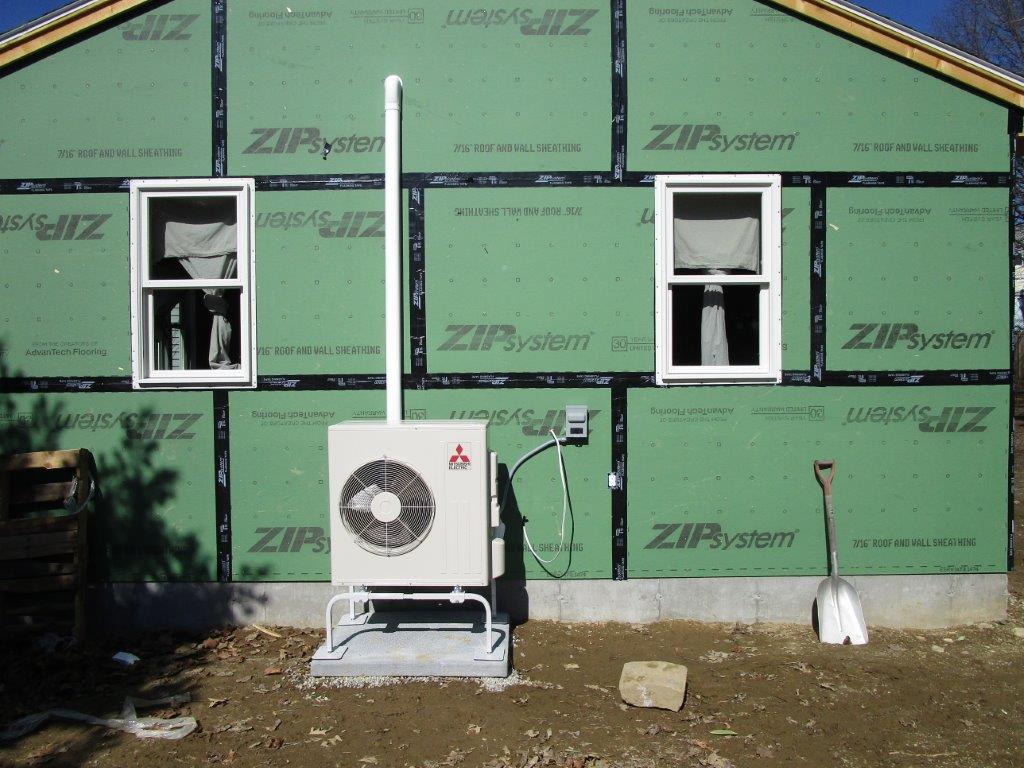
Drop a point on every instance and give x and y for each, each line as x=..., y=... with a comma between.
x=826, y=485
x=825, y=480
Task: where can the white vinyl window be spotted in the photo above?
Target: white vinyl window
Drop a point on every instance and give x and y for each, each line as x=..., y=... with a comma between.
x=718, y=275
x=192, y=283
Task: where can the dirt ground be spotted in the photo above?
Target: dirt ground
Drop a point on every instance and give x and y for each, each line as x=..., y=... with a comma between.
x=946, y=698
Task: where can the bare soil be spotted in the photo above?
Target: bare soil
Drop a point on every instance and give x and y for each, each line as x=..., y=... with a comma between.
x=909, y=698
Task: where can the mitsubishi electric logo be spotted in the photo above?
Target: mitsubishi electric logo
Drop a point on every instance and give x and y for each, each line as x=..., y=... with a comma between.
x=711, y=536
x=709, y=136
x=459, y=459
x=910, y=336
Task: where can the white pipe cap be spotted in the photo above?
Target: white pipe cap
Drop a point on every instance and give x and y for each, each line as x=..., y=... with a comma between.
x=392, y=92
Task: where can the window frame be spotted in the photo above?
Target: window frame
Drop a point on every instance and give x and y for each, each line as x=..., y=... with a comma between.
x=769, y=187
x=144, y=376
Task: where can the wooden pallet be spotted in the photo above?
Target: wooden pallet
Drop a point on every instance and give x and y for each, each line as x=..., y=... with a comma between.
x=42, y=542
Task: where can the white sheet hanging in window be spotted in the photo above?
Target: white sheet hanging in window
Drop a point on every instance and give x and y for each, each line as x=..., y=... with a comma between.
x=208, y=251
x=717, y=231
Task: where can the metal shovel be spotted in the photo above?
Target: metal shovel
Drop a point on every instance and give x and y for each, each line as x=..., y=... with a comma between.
x=840, y=617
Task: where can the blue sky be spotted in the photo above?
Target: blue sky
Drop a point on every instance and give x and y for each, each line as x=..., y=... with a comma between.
x=915, y=13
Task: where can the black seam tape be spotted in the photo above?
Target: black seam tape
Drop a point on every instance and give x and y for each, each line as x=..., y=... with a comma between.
x=222, y=482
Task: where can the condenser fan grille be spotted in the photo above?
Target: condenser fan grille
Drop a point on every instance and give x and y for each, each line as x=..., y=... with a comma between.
x=387, y=507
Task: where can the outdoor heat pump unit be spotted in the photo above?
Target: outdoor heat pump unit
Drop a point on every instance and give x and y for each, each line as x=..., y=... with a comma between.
x=413, y=504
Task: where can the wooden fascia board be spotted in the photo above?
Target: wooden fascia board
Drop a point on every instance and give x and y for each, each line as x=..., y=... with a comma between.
x=896, y=42
x=62, y=27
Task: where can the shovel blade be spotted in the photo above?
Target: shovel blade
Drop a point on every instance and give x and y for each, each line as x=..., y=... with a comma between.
x=840, y=616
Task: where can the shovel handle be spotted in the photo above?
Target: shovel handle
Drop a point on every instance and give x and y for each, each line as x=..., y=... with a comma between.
x=830, y=517
x=825, y=479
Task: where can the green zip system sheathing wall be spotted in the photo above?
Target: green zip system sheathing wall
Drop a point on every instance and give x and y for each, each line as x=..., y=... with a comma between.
x=154, y=459
x=722, y=485
x=115, y=104
x=63, y=286
x=881, y=258
x=528, y=288
x=742, y=86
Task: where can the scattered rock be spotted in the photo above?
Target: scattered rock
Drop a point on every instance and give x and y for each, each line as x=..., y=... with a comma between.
x=938, y=649
x=659, y=684
x=714, y=657
x=1018, y=631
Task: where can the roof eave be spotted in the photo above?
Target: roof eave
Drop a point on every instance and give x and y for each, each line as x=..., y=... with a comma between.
x=52, y=28
x=913, y=46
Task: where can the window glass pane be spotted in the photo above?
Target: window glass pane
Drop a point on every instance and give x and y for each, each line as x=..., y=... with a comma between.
x=716, y=325
x=716, y=233
x=196, y=329
x=193, y=237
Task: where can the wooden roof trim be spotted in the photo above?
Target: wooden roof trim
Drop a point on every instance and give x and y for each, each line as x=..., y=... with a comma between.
x=60, y=26
x=907, y=44
x=847, y=18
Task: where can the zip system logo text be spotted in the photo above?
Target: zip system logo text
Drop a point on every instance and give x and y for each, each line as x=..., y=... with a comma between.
x=481, y=338
x=952, y=418
x=709, y=136
x=910, y=336
x=68, y=226
x=551, y=22
x=137, y=426
x=160, y=26
x=288, y=141
x=534, y=423
x=711, y=535
x=292, y=538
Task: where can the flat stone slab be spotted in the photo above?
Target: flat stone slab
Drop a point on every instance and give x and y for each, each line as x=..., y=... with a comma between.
x=416, y=644
x=658, y=684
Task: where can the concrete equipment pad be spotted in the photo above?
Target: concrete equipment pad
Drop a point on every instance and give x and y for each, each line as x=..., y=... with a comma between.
x=415, y=644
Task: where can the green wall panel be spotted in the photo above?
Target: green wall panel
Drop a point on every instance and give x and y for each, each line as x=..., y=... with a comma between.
x=721, y=482
x=540, y=280
x=280, y=529
x=154, y=517
x=519, y=421
x=64, y=302
x=916, y=279
x=796, y=279
x=488, y=87
x=741, y=86
x=320, y=268
x=279, y=486
x=132, y=100
x=553, y=280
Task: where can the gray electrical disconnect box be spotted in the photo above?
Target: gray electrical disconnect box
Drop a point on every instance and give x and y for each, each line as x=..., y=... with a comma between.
x=576, y=426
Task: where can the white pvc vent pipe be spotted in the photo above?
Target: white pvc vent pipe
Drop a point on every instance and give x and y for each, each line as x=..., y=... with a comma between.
x=393, y=246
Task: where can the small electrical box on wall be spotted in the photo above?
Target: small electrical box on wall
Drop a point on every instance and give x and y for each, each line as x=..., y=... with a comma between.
x=576, y=422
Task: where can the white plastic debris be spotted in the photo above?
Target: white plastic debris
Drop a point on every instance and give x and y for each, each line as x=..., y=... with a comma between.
x=123, y=657
x=144, y=727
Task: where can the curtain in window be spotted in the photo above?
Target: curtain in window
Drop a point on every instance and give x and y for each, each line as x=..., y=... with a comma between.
x=716, y=233
x=208, y=251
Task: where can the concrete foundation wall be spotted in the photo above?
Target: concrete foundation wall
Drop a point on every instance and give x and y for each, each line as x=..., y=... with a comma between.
x=930, y=601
